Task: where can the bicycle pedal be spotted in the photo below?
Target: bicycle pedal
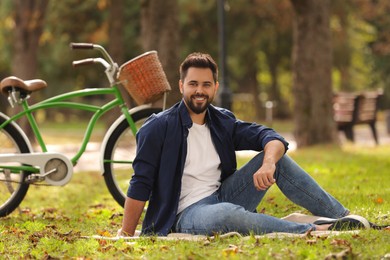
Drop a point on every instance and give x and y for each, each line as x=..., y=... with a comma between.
x=34, y=178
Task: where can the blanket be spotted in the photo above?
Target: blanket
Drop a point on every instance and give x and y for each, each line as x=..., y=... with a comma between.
x=294, y=217
x=189, y=237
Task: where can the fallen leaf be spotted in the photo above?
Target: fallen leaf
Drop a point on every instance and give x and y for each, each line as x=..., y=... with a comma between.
x=230, y=251
x=164, y=248
x=47, y=257
x=64, y=234
x=356, y=236
x=105, y=249
x=97, y=206
x=102, y=242
x=345, y=254
x=50, y=210
x=379, y=200
x=104, y=233
x=271, y=200
x=116, y=215
x=340, y=242
x=26, y=210
x=54, y=227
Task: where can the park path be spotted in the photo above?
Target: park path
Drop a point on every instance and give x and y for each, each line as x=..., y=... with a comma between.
x=90, y=161
x=363, y=138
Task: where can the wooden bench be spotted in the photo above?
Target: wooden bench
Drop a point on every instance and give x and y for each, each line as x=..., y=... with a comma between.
x=352, y=109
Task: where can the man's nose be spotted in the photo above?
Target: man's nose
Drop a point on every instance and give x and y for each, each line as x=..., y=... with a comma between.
x=199, y=89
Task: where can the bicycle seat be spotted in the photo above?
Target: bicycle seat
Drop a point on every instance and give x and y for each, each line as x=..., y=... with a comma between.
x=28, y=86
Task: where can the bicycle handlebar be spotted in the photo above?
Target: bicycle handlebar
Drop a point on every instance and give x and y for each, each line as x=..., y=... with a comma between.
x=91, y=61
x=107, y=62
x=77, y=63
x=74, y=45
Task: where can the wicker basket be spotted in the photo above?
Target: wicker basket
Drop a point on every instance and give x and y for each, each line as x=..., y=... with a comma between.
x=144, y=78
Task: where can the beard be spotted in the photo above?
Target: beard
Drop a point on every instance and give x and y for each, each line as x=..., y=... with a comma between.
x=198, y=108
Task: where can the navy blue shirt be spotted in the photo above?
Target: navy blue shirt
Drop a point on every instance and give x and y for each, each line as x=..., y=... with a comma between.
x=162, y=150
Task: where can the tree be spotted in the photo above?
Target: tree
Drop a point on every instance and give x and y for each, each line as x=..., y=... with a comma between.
x=312, y=64
x=29, y=23
x=116, y=31
x=275, y=27
x=5, y=35
x=342, y=51
x=116, y=48
x=159, y=31
x=258, y=46
x=244, y=57
x=376, y=13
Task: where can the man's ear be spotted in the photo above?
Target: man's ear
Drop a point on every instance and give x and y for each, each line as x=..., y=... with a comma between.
x=216, y=86
x=181, y=86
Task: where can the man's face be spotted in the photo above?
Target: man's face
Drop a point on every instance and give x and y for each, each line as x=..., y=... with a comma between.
x=198, y=89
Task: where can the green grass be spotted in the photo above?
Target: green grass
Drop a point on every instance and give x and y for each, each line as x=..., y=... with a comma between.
x=53, y=221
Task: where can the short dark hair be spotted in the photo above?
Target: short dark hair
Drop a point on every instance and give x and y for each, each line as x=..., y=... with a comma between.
x=199, y=60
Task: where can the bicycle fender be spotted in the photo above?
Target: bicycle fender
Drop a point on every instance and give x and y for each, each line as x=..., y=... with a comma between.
x=19, y=129
x=113, y=127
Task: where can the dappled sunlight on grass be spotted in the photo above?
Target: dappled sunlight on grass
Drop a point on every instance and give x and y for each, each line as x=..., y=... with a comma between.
x=356, y=175
x=54, y=221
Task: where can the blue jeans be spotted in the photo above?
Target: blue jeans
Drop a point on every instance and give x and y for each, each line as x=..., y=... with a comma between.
x=233, y=206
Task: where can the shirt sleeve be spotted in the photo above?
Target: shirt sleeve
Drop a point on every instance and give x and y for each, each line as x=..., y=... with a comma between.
x=252, y=136
x=146, y=162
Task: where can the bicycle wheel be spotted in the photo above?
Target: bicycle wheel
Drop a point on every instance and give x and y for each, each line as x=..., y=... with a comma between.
x=119, y=154
x=13, y=188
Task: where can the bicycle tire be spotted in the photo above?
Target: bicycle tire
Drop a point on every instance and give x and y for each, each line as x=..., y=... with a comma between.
x=13, y=187
x=120, y=147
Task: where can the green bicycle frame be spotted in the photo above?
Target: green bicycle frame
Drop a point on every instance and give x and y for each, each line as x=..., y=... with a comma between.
x=62, y=101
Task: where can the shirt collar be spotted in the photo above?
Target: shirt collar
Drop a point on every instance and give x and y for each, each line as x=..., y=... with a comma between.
x=185, y=116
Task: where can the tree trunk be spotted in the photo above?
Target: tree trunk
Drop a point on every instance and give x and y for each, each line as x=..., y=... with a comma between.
x=116, y=49
x=160, y=32
x=312, y=63
x=116, y=20
x=344, y=54
x=280, y=109
x=251, y=85
x=342, y=50
x=29, y=22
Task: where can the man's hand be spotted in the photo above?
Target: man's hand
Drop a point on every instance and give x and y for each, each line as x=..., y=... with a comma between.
x=264, y=177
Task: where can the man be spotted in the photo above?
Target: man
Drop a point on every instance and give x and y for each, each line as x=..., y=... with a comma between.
x=186, y=168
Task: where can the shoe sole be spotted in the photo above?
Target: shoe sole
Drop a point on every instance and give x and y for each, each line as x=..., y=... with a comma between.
x=349, y=222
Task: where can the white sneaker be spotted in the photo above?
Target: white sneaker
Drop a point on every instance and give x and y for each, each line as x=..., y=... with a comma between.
x=349, y=222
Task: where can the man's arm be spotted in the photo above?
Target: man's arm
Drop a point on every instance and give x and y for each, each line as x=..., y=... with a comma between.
x=264, y=177
x=132, y=213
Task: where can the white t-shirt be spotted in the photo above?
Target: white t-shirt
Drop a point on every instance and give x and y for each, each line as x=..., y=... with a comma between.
x=202, y=175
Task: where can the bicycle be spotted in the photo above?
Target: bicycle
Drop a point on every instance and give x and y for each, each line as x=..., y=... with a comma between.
x=21, y=166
